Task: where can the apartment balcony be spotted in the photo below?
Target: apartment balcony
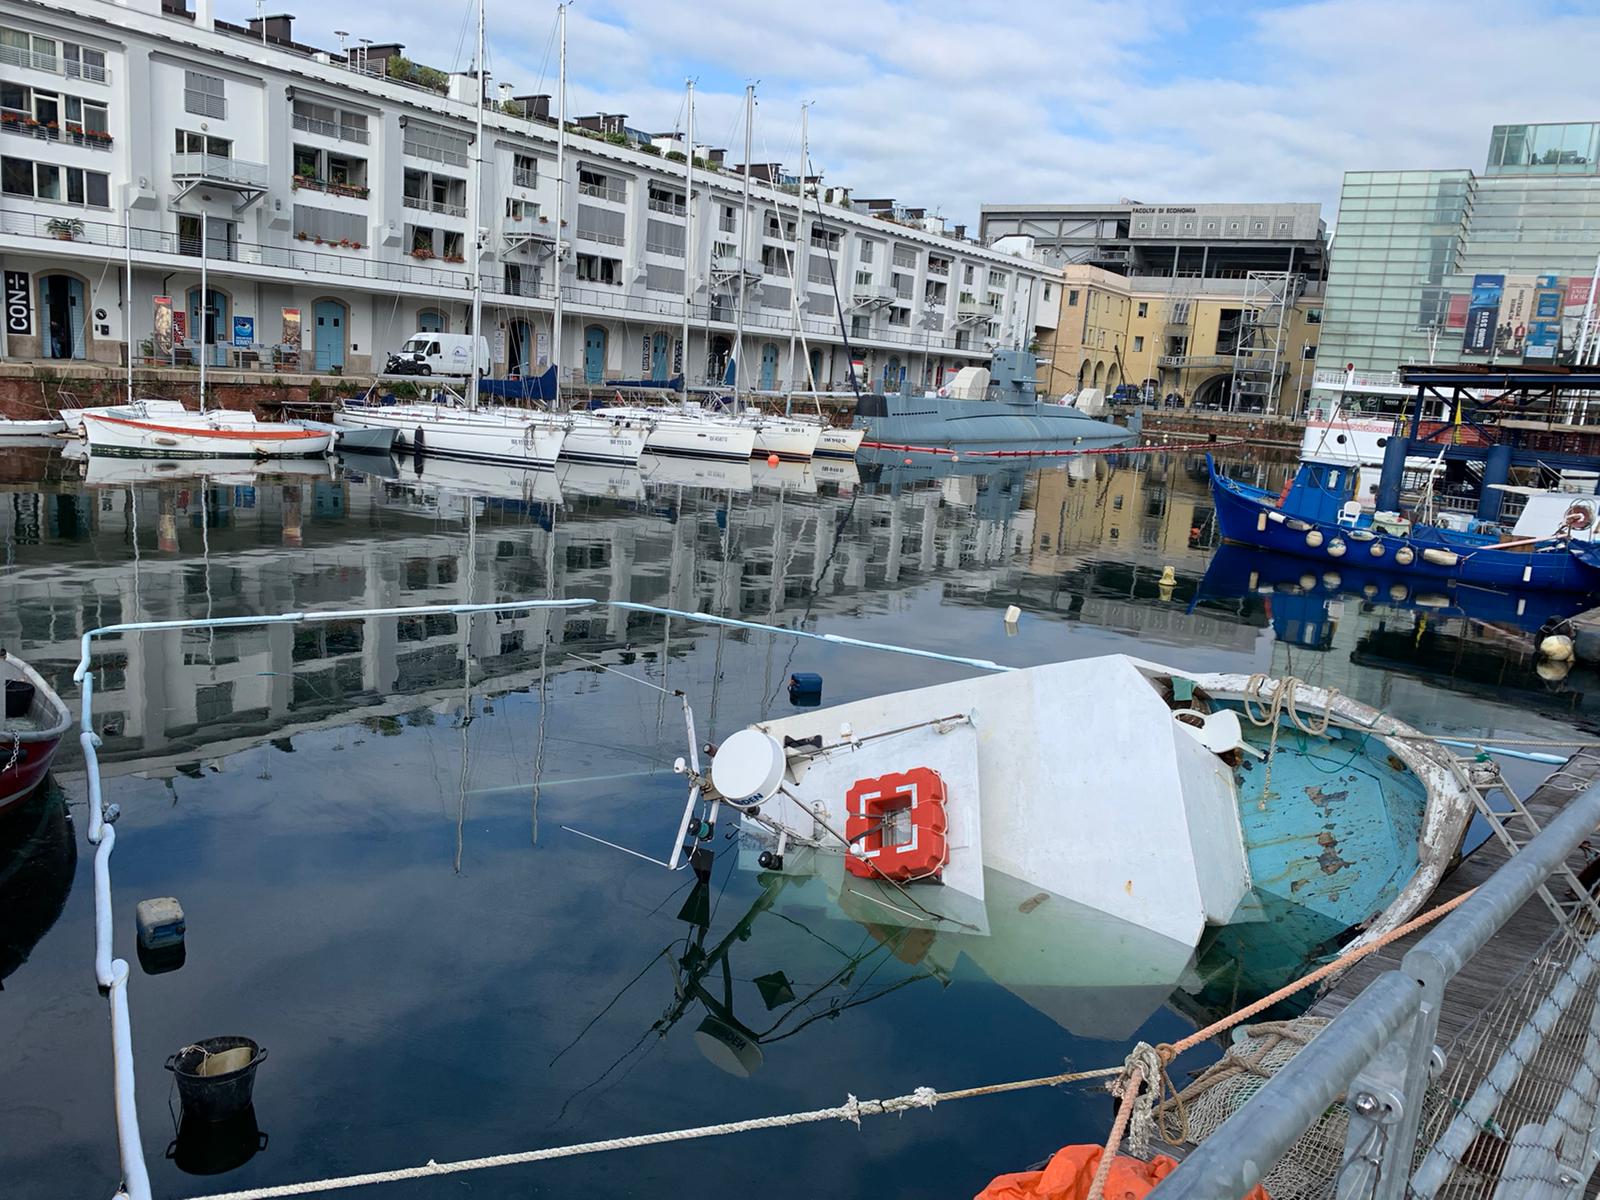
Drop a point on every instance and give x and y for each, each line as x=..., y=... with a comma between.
x=867, y=297
x=327, y=129
x=71, y=135
x=442, y=207
x=1186, y=362
x=938, y=272
x=727, y=268
x=667, y=207
x=528, y=233
x=604, y=192
x=247, y=180
x=970, y=312
x=52, y=64
x=351, y=191
x=525, y=179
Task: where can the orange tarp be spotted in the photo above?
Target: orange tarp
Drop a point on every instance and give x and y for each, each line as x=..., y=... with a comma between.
x=1071, y=1169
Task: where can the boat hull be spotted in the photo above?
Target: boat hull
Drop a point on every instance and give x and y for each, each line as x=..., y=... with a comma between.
x=28, y=744
x=12, y=429
x=943, y=421
x=18, y=780
x=201, y=438
x=839, y=443
x=608, y=441
x=690, y=435
x=795, y=440
x=166, y=410
x=1249, y=517
x=484, y=436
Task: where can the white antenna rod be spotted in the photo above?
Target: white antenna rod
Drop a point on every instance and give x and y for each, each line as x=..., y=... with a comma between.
x=561, y=200
x=127, y=304
x=689, y=263
x=204, y=312
x=475, y=256
x=744, y=237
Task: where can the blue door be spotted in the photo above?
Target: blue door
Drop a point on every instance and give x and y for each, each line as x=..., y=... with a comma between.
x=658, y=358
x=430, y=320
x=329, y=316
x=217, y=330
x=594, y=354
x=61, y=316
x=769, y=367
x=891, y=375
x=817, y=379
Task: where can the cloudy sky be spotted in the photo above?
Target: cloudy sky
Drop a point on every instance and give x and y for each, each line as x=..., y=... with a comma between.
x=953, y=103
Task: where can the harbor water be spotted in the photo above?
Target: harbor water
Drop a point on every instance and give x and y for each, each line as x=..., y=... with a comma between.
x=415, y=853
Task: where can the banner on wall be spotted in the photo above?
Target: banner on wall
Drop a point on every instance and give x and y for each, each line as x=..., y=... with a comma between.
x=180, y=326
x=1483, y=314
x=244, y=331
x=544, y=350
x=498, y=351
x=19, y=303
x=291, y=331
x=164, y=337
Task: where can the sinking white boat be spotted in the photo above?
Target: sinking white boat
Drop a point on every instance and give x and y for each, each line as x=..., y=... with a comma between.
x=1121, y=787
x=218, y=434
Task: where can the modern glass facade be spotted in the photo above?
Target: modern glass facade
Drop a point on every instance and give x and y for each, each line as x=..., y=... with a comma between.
x=1409, y=243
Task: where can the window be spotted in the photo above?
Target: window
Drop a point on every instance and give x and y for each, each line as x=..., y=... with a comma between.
x=202, y=95
x=594, y=269
x=600, y=224
x=16, y=177
x=905, y=256
x=968, y=273
x=728, y=221
x=188, y=142
x=824, y=238
x=1072, y=296
x=1138, y=343
x=1144, y=308
x=1313, y=316
x=18, y=49
x=666, y=200
x=311, y=224
x=521, y=210
x=1308, y=351
x=48, y=181
x=435, y=144
x=1047, y=293
x=89, y=115
x=866, y=251
x=524, y=170
x=664, y=237
x=602, y=186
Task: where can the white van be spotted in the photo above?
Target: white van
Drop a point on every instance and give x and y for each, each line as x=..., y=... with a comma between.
x=438, y=354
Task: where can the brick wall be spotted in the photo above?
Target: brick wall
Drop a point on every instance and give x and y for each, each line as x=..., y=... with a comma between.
x=33, y=393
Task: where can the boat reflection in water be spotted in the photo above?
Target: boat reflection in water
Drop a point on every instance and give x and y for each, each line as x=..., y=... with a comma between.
x=38, y=856
x=104, y=471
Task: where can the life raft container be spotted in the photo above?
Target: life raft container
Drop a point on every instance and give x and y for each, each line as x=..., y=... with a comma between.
x=896, y=826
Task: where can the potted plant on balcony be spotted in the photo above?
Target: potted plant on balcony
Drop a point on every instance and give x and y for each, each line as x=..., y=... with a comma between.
x=355, y=245
x=422, y=254
x=65, y=229
x=543, y=220
x=301, y=236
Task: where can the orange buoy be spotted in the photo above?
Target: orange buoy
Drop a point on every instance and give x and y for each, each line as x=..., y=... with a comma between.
x=772, y=460
x=1071, y=1169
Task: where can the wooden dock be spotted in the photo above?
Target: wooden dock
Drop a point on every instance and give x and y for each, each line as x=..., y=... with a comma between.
x=1506, y=956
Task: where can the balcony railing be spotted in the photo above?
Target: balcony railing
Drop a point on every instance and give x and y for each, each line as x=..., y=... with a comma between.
x=530, y=227
x=12, y=122
x=939, y=270
x=307, y=183
x=604, y=191
x=15, y=56
x=1183, y=362
x=1360, y=379
x=594, y=235
x=666, y=206
x=438, y=154
x=220, y=169
x=436, y=206
x=525, y=178
x=342, y=133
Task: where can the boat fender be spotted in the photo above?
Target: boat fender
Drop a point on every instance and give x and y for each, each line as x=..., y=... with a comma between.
x=1314, y=538
x=1297, y=525
x=1361, y=535
x=417, y=440
x=1331, y=580
x=1308, y=582
x=1370, y=591
x=1404, y=556
x=1336, y=548
x=1398, y=593
x=1277, y=516
x=1431, y=600
x=1557, y=647
x=1376, y=550
x=1440, y=558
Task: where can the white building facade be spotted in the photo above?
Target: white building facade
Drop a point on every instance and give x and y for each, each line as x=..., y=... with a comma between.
x=337, y=214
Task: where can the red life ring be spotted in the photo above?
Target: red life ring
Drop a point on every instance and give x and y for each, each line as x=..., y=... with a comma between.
x=896, y=826
x=1579, y=516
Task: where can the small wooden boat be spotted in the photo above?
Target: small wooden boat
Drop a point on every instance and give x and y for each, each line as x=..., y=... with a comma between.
x=1168, y=803
x=33, y=723
x=1318, y=518
x=217, y=434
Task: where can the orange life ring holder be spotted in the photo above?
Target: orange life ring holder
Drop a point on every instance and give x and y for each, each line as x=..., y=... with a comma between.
x=1579, y=516
x=911, y=804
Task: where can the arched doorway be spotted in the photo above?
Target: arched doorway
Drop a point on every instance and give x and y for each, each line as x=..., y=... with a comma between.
x=594, y=354
x=216, y=328
x=769, y=367
x=61, y=316
x=519, y=349
x=818, y=380
x=1213, y=393
x=719, y=361
x=1099, y=375
x=329, y=319
x=1083, y=373
x=1113, y=378
x=891, y=374
x=431, y=320
x=659, y=365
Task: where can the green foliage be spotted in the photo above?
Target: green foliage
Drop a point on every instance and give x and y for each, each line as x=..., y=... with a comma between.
x=617, y=139
x=402, y=68
x=649, y=148
x=678, y=156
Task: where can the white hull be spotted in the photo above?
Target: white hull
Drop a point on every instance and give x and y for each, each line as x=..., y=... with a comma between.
x=783, y=436
x=595, y=438
x=102, y=471
x=839, y=443
x=31, y=428
x=690, y=432
x=216, y=435
x=139, y=410
x=487, y=435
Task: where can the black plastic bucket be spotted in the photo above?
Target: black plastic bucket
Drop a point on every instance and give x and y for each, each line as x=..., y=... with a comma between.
x=19, y=697
x=216, y=1076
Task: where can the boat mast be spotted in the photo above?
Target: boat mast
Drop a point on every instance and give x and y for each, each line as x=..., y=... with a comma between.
x=475, y=256
x=561, y=200
x=205, y=307
x=798, y=261
x=744, y=240
x=688, y=229
x=127, y=304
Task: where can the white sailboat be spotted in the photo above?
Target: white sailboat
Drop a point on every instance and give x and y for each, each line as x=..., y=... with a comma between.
x=182, y=434
x=452, y=428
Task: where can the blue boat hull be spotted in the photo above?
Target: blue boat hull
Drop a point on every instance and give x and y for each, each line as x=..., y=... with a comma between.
x=1249, y=516
x=941, y=421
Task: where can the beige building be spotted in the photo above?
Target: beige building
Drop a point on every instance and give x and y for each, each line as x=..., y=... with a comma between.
x=1247, y=343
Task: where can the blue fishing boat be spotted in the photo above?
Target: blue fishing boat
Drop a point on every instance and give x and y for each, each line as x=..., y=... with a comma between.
x=1318, y=518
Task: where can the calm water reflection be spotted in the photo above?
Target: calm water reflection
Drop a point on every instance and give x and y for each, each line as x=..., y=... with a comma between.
x=369, y=821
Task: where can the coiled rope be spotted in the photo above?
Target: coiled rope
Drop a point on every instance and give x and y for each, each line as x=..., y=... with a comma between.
x=1283, y=699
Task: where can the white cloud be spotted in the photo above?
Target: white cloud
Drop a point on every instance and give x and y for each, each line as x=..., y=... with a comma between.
x=950, y=105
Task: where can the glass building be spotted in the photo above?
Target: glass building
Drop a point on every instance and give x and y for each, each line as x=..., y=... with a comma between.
x=1410, y=245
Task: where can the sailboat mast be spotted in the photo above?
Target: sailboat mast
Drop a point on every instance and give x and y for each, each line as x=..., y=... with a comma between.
x=561, y=199
x=800, y=266
x=475, y=255
x=127, y=304
x=744, y=241
x=688, y=229
x=204, y=311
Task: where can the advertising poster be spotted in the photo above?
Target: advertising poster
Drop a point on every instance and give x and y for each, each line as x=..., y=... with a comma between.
x=1483, y=315
x=291, y=331
x=180, y=327
x=244, y=331
x=165, y=336
x=1456, y=317
x=497, y=350
x=544, y=349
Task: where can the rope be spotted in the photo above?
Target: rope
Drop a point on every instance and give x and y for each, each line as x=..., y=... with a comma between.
x=1283, y=699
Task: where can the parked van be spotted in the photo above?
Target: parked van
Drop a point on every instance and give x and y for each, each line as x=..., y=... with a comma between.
x=438, y=354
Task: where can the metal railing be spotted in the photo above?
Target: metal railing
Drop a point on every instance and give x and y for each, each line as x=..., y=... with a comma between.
x=435, y=206
x=94, y=139
x=339, y=132
x=594, y=235
x=666, y=206
x=1377, y=1059
x=521, y=177
x=15, y=56
x=438, y=154
x=218, y=167
x=1336, y=378
x=604, y=191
